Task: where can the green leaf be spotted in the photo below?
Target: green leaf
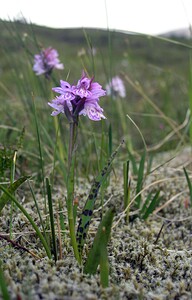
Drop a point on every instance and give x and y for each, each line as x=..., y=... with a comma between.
x=87, y=213
x=140, y=180
x=134, y=163
x=110, y=141
x=101, y=238
x=146, y=203
x=189, y=184
x=126, y=185
x=61, y=218
x=153, y=204
x=3, y=285
x=51, y=216
x=11, y=189
x=104, y=266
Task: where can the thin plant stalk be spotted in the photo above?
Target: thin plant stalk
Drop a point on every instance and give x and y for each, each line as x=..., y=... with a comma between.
x=61, y=218
x=70, y=187
x=38, y=210
x=90, y=46
x=190, y=97
x=51, y=215
x=140, y=180
x=58, y=137
x=40, y=152
x=72, y=141
x=58, y=145
x=126, y=189
x=12, y=177
x=59, y=237
x=110, y=139
x=62, y=168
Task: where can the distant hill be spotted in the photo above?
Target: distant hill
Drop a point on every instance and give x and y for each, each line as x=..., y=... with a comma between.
x=179, y=33
x=15, y=36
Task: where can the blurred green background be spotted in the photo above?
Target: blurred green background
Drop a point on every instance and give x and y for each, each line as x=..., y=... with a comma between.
x=155, y=71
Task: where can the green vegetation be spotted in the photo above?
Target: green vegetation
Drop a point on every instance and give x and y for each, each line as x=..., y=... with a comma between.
x=160, y=66
x=65, y=153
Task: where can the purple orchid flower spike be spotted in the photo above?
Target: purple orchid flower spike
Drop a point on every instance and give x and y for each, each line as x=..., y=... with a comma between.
x=46, y=61
x=116, y=87
x=80, y=99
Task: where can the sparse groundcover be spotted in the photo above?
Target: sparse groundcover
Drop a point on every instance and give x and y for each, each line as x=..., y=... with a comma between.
x=145, y=261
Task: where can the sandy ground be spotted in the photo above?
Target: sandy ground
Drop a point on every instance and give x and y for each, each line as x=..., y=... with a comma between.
x=144, y=262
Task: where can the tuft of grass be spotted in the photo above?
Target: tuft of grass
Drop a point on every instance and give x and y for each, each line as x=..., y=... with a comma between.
x=10, y=190
x=98, y=253
x=149, y=205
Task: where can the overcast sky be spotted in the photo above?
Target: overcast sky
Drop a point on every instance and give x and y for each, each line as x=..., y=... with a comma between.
x=144, y=16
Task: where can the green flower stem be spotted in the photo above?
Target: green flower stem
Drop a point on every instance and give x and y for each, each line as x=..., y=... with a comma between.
x=22, y=209
x=70, y=187
x=73, y=239
x=72, y=141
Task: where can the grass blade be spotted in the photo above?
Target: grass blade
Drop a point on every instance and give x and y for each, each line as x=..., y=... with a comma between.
x=38, y=210
x=3, y=285
x=190, y=96
x=110, y=137
x=11, y=189
x=140, y=180
x=189, y=185
x=154, y=202
x=145, y=204
x=104, y=266
x=61, y=218
x=134, y=163
x=51, y=216
x=40, y=151
x=126, y=184
x=60, y=155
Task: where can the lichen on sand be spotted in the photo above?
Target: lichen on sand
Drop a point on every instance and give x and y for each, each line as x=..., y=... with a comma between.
x=143, y=265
